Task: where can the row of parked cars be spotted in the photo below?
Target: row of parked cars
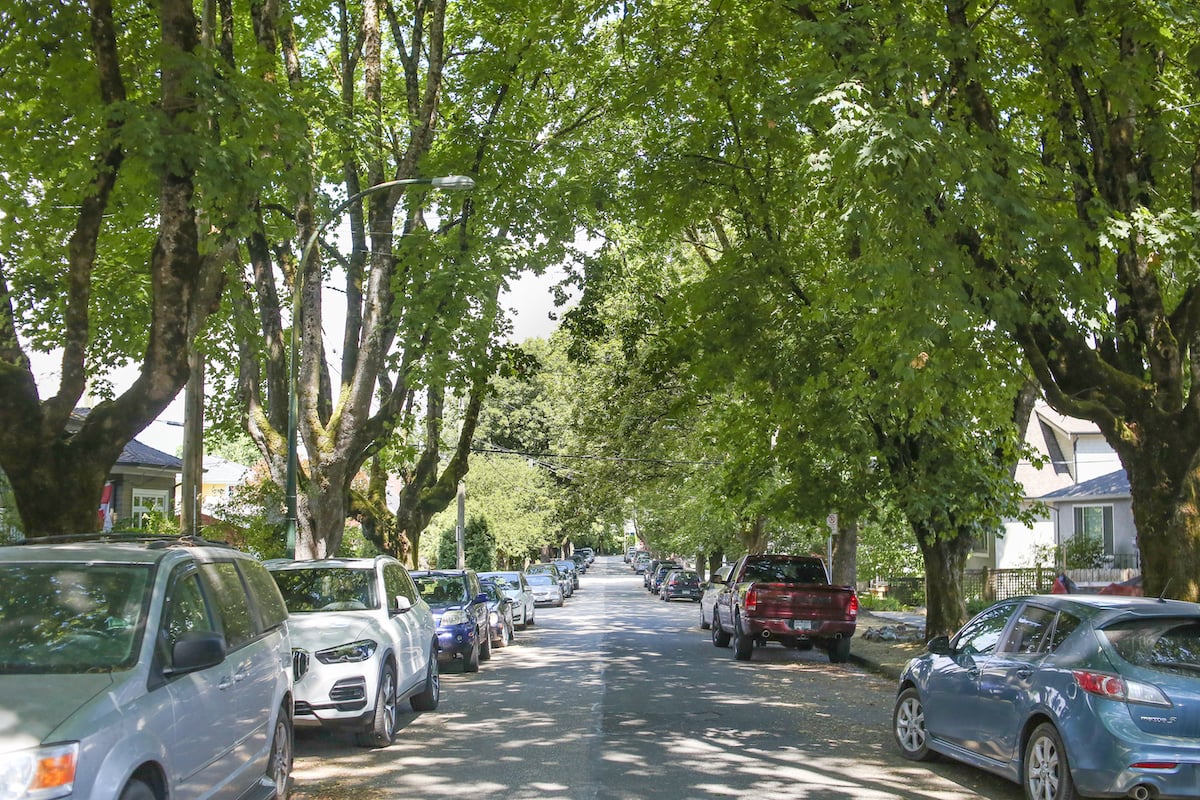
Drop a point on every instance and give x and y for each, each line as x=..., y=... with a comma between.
x=167, y=668
x=668, y=579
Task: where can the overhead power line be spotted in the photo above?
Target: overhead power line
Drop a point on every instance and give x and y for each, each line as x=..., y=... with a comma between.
x=588, y=457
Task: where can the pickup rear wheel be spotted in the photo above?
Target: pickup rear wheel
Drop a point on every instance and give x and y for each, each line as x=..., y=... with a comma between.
x=743, y=643
x=719, y=637
x=839, y=651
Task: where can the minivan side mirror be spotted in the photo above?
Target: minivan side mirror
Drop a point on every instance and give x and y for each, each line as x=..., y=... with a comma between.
x=196, y=650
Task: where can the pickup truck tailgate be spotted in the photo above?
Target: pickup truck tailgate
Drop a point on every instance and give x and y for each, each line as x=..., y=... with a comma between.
x=790, y=601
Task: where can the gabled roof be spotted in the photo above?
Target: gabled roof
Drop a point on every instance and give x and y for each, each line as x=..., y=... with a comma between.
x=1114, y=485
x=137, y=454
x=1071, y=426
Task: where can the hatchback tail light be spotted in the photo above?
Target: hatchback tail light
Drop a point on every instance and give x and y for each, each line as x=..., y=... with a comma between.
x=1114, y=687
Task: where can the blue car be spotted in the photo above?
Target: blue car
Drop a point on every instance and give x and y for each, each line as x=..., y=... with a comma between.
x=1068, y=695
x=460, y=611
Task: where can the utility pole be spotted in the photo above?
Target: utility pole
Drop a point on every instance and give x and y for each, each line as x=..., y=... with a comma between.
x=460, y=530
x=193, y=445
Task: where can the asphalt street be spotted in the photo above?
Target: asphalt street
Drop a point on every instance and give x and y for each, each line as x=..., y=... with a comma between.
x=619, y=696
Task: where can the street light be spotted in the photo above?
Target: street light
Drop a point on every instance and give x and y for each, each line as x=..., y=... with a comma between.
x=451, y=183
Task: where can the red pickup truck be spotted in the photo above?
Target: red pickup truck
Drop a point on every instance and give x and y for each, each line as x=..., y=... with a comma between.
x=785, y=599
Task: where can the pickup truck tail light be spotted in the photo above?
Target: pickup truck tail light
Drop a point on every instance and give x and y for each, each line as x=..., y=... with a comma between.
x=751, y=601
x=852, y=608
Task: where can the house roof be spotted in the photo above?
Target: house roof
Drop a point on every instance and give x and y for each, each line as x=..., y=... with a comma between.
x=1072, y=426
x=137, y=454
x=1112, y=485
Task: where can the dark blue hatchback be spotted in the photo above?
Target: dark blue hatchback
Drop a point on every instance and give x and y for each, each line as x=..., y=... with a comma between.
x=1069, y=695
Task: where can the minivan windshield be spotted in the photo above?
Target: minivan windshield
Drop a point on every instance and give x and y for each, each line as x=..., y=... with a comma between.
x=72, y=617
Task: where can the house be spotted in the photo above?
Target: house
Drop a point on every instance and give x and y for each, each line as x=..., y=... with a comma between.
x=143, y=481
x=1076, y=483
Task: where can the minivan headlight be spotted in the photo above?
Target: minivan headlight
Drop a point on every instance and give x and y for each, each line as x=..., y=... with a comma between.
x=348, y=653
x=39, y=774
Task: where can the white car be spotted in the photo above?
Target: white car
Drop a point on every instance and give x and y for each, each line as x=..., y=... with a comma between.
x=545, y=589
x=517, y=588
x=365, y=641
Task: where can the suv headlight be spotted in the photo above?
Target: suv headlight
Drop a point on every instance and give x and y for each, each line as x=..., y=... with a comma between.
x=39, y=774
x=347, y=653
x=454, y=617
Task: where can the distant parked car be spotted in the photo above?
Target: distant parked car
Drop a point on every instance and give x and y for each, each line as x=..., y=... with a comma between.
x=460, y=612
x=546, y=590
x=1068, y=695
x=366, y=642
x=709, y=592
x=500, y=614
x=517, y=588
x=568, y=566
x=680, y=584
x=654, y=584
x=142, y=669
x=564, y=581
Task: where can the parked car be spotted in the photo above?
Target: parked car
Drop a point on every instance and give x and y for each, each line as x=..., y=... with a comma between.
x=460, y=612
x=366, y=642
x=680, y=584
x=500, y=614
x=546, y=590
x=571, y=569
x=654, y=584
x=564, y=582
x=142, y=669
x=641, y=562
x=709, y=592
x=517, y=588
x=587, y=552
x=1069, y=695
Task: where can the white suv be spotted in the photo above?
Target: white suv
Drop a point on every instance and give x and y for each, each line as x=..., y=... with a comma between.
x=142, y=670
x=364, y=639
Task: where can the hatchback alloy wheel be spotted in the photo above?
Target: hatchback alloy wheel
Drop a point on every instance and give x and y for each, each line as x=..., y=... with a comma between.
x=908, y=725
x=1047, y=774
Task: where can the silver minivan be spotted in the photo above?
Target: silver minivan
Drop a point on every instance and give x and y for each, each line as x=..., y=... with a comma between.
x=142, y=670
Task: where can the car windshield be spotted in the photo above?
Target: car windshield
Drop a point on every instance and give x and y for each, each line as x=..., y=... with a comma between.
x=321, y=589
x=77, y=618
x=539, y=579
x=1166, y=645
x=440, y=591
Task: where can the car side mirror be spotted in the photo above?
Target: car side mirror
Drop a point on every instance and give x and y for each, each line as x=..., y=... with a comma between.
x=195, y=651
x=940, y=646
x=403, y=604
x=481, y=597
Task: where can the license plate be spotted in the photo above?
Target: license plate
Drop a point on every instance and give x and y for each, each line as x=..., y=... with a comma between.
x=802, y=625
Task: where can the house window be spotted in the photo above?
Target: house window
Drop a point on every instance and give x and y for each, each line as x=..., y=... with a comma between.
x=148, y=501
x=1096, y=521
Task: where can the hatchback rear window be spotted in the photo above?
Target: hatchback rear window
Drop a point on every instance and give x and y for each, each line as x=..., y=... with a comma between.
x=1166, y=645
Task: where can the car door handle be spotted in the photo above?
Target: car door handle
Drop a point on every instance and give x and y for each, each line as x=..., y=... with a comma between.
x=225, y=683
x=973, y=672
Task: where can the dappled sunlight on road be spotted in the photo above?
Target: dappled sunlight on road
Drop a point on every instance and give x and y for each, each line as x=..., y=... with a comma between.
x=617, y=696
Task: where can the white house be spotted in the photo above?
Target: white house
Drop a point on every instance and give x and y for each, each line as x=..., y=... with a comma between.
x=1077, y=484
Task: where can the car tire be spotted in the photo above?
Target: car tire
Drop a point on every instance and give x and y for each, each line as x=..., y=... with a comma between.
x=1045, y=770
x=839, y=650
x=427, y=699
x=704, y=623
x=471, y=659
x=138, y=790
x=559, y=604
x=908, y=726
x=279, y=764
x=529, y=620
x=485, y=644
x=743, y=643
x=719, y=637
x=505, y=635
x=381, y=729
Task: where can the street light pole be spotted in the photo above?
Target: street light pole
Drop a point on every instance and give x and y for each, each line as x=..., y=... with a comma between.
x=449, y=183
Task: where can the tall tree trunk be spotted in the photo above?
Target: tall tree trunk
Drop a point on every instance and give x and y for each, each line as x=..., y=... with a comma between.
x=945, y=564
x=844, y=569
